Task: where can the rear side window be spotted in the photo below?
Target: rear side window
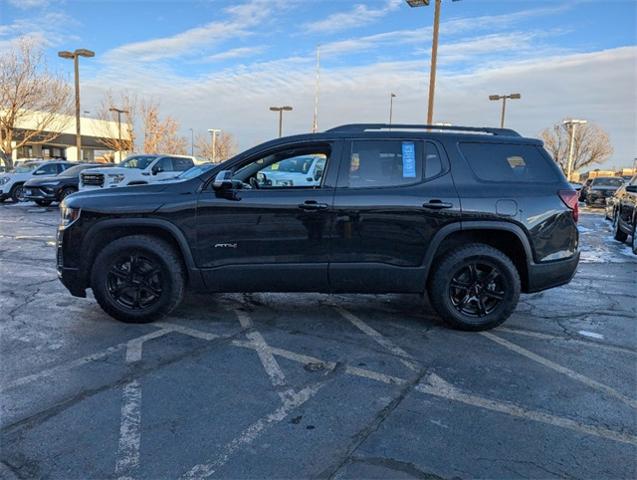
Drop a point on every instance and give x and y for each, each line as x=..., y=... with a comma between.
x=385, y=163
x=181, y=164
x=497, y=162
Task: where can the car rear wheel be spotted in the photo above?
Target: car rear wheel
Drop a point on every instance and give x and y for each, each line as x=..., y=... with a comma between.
x=619, y=235
x=633, y=242
x=17, y=192
x=66, y=192
x=477, y=287
x=138, y=279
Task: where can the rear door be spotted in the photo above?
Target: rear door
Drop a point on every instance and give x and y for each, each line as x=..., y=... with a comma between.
x=392, y=196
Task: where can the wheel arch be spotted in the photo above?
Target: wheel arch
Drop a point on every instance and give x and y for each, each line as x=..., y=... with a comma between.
x=107, y=231
x=510, y=239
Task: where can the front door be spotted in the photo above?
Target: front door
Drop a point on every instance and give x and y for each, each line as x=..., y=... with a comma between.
x=273, y=233
x=392, y=196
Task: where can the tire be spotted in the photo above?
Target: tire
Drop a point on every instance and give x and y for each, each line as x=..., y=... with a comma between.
x=153, y=289
x=66, y=192
x=618, y=234
x=43, y=203
x=17, y=192
x=468, y=306
x=633, y=241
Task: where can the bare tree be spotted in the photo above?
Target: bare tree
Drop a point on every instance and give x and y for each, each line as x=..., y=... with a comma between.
x=160, y=135
x=591, y=145
x=225, y=147
x=109, y=132
x=34, y=103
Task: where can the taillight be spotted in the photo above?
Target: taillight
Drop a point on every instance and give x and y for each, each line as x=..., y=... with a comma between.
x=570, y=197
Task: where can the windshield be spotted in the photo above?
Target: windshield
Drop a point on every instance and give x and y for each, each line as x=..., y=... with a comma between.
x=137, y=161
x=608, y=182
x=27, y=167
x=194, y=171
x=291, y=165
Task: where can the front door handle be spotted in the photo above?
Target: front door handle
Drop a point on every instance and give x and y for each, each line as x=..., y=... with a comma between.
x=436, y=204
x=312, y=205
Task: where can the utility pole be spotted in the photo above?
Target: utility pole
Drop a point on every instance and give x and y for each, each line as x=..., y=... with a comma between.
x=434, y=52
x=285, y=108
x=391, y=106
x=316, y=91
x=213, y=132
x=119, y=128
x=75, y=56
x=513, y=96
x=570, y=124
x=192, y=142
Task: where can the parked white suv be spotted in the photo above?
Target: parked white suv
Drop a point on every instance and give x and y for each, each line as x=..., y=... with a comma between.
x=136, y=170
x=11, y=182
x=306, y=171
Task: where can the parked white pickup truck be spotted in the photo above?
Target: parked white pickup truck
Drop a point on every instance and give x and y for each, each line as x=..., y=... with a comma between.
x=136, y=170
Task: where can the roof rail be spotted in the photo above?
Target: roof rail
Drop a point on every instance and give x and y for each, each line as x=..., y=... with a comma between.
x=363, y=127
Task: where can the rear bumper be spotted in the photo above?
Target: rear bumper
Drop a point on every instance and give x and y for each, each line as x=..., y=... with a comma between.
x=552, y=274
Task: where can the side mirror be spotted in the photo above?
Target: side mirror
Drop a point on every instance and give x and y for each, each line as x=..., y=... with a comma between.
x=317, y=175
x=631, y=188
x=223, y=180
x=157, y=169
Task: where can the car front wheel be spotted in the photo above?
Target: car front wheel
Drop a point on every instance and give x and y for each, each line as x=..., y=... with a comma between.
x=17, y=192
x=138, y=279
x=66, y=192
x=477, y=287
x=633, y=242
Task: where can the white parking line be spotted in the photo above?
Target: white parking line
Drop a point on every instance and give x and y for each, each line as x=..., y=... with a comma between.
x=252, y=433
x=559, y=368
x=134, y=346
x=380, y=339
x=130, y=430
x=548, y=336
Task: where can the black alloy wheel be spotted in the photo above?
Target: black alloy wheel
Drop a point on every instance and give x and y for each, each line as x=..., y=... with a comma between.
x=476, y=289
x=135, y=281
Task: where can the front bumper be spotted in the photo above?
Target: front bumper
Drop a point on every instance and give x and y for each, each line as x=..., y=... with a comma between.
x=543, y=276
x=36, y=193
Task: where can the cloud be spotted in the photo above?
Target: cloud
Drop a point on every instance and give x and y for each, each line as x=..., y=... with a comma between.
x=359, y=15
x=26, y=4
x=234, y=53
x=50, y=30
x=241, y=19
x=597, y=86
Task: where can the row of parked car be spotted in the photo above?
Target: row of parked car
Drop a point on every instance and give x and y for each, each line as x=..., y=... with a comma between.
x=45, y=182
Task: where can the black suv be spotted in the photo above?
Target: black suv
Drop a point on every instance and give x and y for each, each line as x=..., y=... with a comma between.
x=625, y=215
x=45, y=191
x=600, y=189
x=472, y=216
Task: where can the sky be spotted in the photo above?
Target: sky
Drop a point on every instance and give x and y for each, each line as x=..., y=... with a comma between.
x=222, y=64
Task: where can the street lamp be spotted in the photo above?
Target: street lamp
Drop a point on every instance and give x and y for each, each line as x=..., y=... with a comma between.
x=434, y=53
x=80, y=52
x=213, y=132
x=513, y=96
x=285, y=108
x=192, y=142
x=570, y=124
x=391, y=105
x=119, y=112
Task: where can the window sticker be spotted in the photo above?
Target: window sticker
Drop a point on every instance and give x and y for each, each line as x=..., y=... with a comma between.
x=516, y=161
x=409, y=160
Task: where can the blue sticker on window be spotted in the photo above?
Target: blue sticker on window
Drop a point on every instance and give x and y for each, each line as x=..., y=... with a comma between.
x=409, y=160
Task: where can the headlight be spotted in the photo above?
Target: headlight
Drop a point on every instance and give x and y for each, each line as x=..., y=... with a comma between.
x=68, y=215
x=115, y=177
x=4, y=180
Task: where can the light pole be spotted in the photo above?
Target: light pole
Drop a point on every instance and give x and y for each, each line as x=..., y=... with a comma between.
x=213, y=132
x=192, y=142
x=434, y=53
x=119, y=112
x=80, y=52
x=285, y=108
x=316, y=90
x=570, y=125
x=391, y=105
x=513, y=96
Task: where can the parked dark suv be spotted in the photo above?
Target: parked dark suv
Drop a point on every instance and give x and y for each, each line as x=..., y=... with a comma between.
x=625, y=215
x=472, y=216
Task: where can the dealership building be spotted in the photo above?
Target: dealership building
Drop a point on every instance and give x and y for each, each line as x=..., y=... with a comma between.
x=98, y=138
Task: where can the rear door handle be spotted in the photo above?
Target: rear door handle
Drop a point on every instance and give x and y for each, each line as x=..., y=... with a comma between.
x=312, y=205
x=436, y=204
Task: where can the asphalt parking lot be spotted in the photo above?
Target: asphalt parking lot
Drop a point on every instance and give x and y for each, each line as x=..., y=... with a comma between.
x=308, y=385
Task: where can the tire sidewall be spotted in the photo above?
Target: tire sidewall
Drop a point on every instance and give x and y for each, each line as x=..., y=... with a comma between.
x=66, y=192
x=15, y=191
x=99, y=282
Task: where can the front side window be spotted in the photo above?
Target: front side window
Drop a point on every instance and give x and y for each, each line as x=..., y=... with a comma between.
x=181, y=164
x=298, y=168
x=384, y=163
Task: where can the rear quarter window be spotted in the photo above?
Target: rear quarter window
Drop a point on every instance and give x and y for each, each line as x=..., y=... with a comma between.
x=499, y=162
